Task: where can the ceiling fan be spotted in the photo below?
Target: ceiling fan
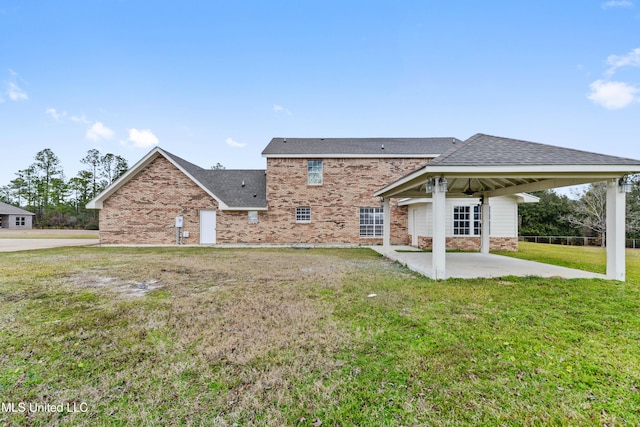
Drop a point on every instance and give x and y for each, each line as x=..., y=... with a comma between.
x=469, y=191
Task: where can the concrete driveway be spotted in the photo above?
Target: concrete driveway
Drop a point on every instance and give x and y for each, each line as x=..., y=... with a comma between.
x=473, y=265
x=24, y=240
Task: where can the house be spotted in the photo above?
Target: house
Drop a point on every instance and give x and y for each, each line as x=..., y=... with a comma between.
x=13, y=217
x=313, y=191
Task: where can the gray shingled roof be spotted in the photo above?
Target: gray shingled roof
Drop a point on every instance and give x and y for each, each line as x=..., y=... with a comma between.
x=227, y=184
x=358, y=146
x=487, y=150
x=6, y=209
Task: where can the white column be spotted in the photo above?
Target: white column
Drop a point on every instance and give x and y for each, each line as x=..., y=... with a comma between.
x=485, y=236
x=386, y=226
x=439, y=243
x=615, y=231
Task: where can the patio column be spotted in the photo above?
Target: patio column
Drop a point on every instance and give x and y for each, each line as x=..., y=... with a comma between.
x=485, y=233
x=386, y=224
x=615, y=234
x=439, y=239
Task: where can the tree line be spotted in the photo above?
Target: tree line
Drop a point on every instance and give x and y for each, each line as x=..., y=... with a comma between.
x=42, y=188
x=582, y=215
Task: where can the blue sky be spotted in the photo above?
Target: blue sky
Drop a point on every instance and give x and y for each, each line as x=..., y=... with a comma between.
x=214, y=81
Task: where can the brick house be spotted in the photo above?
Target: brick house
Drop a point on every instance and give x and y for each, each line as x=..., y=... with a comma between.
x=313, y=191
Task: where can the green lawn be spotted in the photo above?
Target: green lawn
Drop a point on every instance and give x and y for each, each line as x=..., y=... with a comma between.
x=293, y=337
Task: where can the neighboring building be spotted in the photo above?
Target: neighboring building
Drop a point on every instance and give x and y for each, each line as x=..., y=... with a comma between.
x=313, y=191
x=13, y=217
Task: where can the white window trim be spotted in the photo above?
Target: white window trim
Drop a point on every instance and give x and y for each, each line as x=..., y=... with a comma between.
x=377, y=227
x=314, y=171
x=252, y=217
x=303, y=214
x=474, y=225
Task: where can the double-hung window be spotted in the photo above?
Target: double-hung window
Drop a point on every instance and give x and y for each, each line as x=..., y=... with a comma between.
x=314, y=172
x=20, y=221
x=466, y=220
x=371, y=222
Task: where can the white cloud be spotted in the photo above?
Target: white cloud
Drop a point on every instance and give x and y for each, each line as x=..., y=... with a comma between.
x=280, y=109
x=142, y=138
x=617, y=3
x=55, y=114
x=14, y=91
x=631, y=59
x=231, y=143
x=80, y=119
x=99, y=131
x=612, y=95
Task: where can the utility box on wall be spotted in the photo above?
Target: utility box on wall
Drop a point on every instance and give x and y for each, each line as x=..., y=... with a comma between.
x=179, y=222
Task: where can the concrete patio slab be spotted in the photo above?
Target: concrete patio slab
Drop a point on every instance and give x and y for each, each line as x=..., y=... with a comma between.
x=474, y=265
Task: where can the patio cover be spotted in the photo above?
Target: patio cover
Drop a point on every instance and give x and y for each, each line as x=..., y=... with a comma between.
x=489, y=166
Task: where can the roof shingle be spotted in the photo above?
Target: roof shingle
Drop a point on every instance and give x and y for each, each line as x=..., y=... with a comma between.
x=488, y=150
x=379, y=147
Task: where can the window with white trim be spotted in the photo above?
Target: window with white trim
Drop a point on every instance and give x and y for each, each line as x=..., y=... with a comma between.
x=253, y=217
x=371, y=222
x=314, y=172
x=303, y=214
x=20, y=221
x=467, y=220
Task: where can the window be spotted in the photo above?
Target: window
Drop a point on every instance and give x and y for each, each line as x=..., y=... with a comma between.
x=253, y=217
x=371, y=222
x=463, y=222
x=20, y=221
x=303, y=214
x=314, y=169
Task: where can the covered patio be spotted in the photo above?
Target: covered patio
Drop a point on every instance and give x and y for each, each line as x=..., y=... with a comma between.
x=487, y=166
x=465, y=265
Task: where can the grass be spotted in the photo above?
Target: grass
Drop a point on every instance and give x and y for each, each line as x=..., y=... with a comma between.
x=286, y=337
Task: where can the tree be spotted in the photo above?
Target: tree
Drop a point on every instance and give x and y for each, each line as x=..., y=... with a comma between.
x=217, y=166
x=546, y=218
x=591, y=210
x=92, y=159
x=47, y=166
x=112, y=167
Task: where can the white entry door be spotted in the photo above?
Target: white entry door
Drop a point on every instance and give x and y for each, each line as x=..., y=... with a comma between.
x=208, y=227
x=414, y=227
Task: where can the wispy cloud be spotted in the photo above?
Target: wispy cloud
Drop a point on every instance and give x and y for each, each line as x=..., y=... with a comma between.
x=280, y=109
x=617, y=3
x=615, y=62
x=142, y=138
x=614, y=95
x=99, y=132
x=13, y=90
x=232, y=143
x=57, y=116
x=80, y=119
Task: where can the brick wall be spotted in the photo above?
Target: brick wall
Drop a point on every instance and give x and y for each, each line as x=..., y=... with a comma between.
x=348, y=184
x=472, y=243
x=143, y=210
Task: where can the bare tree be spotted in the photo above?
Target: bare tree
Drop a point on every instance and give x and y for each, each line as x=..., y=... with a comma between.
x=590, y=210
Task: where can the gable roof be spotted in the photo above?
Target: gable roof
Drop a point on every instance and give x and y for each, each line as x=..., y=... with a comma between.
x=358, y=147
x=6, y=209
x=499, y=166
x=488, y=150
x=232, y=189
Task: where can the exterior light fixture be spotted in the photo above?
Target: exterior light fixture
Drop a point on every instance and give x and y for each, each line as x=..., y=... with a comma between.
x=624, y=185
x=442, y=184
x=429, y=186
